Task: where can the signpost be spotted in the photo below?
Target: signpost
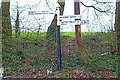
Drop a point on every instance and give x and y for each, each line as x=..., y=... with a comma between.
x=72, y=19
x=84, y=22
x=60, y=12
x=63, y=20
x=58, y=40
x=40, y=12
x=66, y=17
x=58, y=31
x=74, y=22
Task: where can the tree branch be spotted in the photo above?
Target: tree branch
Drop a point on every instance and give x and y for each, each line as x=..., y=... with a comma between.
x=93, y=7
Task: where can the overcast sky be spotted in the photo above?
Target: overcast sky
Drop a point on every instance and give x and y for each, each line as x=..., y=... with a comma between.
x=69, y=10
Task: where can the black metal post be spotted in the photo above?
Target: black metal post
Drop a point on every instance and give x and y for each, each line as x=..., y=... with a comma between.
x=59, y=48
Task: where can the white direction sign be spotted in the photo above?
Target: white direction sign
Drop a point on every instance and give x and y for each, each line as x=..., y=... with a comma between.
x=75, y=22
x=72, y=19
x=67, y=22
x=84, y=22
x=40, y=12
x=69, y=17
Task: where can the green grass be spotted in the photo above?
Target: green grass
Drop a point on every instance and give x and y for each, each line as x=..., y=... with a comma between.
x=31, y=34
x=69, y=34
x=43, y=34
x=106, y=36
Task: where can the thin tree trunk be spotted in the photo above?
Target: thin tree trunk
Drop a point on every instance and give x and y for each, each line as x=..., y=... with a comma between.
x=117, y=29
x=117, y=24
x=6, y=23
x=77, y=27
x=17, y=28
x=6, y=32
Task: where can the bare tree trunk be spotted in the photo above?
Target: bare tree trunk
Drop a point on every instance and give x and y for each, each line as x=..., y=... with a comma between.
x=17, y=29
x=62, y=4
x=6, y=32
x=6, y=23
x=77, y=27
x=117, y=29
x=117, y=24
